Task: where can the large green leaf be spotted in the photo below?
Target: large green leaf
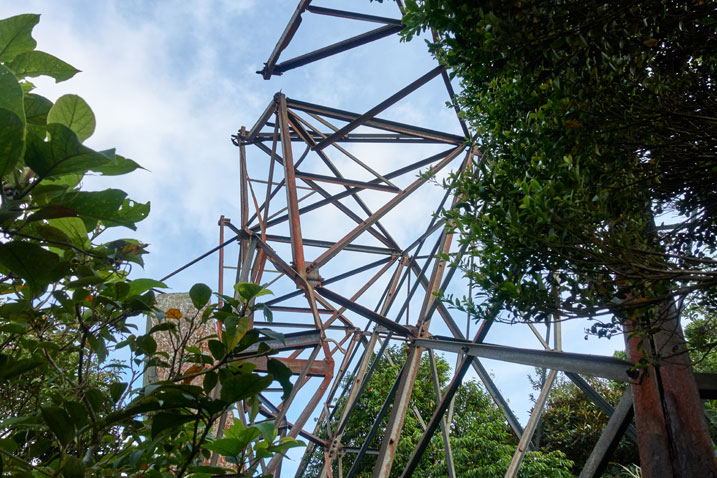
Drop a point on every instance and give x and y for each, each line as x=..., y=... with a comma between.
x=12, y=367
x=73, y=468
x=109, y=206
x=63, y=154
x=200, y=295
x=74, y=228
x=31, y=262
x=282, y=374
x=225, y=447
x=93, y=206
x=59, y=422
x=36, y=109
x=12, y=121
x=120, y=165
x=16, y=35
x=73, y=112
x=239, y=387
x=37, y=63
x=167, y=421
x=139, y=286
x=130, y=212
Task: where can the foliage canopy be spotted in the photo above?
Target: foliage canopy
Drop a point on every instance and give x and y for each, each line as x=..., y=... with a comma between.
x=598, y=130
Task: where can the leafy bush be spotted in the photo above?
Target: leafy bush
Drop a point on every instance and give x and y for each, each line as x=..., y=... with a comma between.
x=67, y=407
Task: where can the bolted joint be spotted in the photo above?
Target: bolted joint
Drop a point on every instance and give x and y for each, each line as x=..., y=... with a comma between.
x=314, y=279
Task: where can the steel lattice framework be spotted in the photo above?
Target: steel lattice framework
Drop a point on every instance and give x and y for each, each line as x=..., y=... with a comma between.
x=314, y=226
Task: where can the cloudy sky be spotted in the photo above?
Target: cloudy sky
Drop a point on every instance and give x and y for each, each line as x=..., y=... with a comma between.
x=170, y=81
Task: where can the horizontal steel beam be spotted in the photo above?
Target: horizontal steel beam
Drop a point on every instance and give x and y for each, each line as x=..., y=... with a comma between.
x=385, y=125
x=351, y=138
x=326, y=244
x=595, y=365
x=346, y=182
x=293, y=341
x=320, y=368
x=387, y=103
x=364, y=312
x=353, y=15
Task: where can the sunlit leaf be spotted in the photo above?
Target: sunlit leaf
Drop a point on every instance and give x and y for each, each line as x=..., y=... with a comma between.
x=16, y=35
x=73, y=112
x=37, y=63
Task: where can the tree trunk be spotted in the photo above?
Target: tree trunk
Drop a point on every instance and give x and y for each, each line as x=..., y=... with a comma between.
x=673, y=440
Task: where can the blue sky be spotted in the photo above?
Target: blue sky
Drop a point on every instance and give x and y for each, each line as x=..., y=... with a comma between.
x=170, y=81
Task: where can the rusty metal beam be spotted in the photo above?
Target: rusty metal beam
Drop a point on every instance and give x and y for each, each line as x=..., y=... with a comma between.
x=339, y=47
x=386, y=125
x=297, y=246
x=331, y=199
x=319, y=368
x=331, y=252
x=346, y=182
x=364, y=312
x=388, y=102
x=285, y=39
x=353, y=15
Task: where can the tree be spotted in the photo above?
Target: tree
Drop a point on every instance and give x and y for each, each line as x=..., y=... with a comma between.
x=481, y=441
x=573, y=424
x=594, y=193
x=67, y=408
x=593, y=123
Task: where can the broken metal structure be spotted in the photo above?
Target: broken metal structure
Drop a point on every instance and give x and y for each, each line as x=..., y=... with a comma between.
x=316, y=224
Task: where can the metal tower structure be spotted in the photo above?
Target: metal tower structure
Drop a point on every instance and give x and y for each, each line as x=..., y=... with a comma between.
x=316, y=225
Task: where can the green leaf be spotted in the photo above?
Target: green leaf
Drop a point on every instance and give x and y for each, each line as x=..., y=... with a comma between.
x=267, y=430
x=59, y=422
x=98, y=346
x=12, y=121
x=63, y=154
x=78, y=413
x=239, y=387
x=225, y=447
x=74, y=228
x=31, y=262
x=217, y=349
x=73, y=467
x=210, y=381
x=120, y=165
x=272, y=334
x=139, y=286
x=52, y=234
x=200, y=295
x=36, y=109
x=248, y=291
x=282, y=374
x=73, y=112
x=16, y=35
x=116, y=390
x=11, y=368
x=37, y=63
x=168, y=421
x=94, y=206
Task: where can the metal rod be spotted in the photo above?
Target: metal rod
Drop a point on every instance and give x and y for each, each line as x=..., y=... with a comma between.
x=370, y=114
x=352, y=15
x=339, y=47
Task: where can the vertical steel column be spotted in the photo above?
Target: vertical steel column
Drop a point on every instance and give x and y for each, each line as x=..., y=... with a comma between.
x=292, y=201
x=389, y=444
